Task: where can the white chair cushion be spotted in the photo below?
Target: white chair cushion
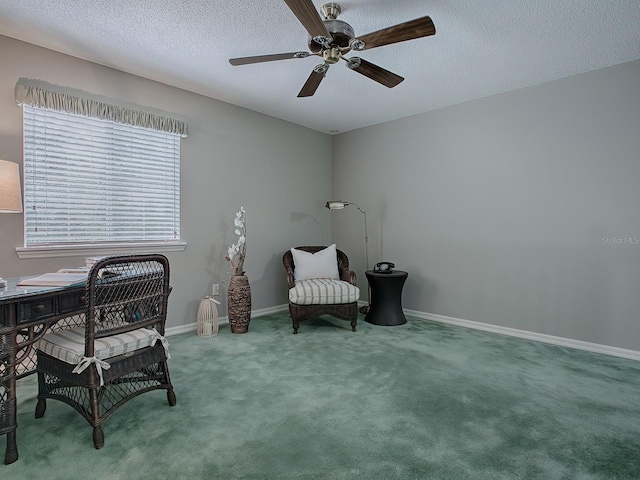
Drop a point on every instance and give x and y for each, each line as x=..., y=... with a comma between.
x=68, y=345
x=322, y=264
x=323, y=291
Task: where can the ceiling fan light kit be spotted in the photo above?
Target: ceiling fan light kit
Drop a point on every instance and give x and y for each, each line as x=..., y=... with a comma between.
x=331, y=39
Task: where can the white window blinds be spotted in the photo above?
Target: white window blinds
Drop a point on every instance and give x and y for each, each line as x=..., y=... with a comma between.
x=92, y=181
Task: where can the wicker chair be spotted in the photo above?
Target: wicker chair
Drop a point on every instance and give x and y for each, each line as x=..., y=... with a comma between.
x=344, y=311
x=120, y=352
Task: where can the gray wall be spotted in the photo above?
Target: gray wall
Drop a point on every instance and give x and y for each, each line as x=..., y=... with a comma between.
x=508, y=210
x=280, y=173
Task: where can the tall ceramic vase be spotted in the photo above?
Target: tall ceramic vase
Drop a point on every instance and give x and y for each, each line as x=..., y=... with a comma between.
x=239, y=304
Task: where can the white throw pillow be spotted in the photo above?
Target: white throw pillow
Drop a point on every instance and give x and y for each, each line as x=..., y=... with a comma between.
x=322, y=264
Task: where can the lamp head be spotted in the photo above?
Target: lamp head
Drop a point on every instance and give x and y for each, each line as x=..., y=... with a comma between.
x=336, y=205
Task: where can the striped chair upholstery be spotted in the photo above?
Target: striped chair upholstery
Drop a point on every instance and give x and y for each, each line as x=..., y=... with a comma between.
x=68, y=345
x=312, y=298
x=323, y=291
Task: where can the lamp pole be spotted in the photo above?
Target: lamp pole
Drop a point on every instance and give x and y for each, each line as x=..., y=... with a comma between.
x=339, y=205
x=366, y=236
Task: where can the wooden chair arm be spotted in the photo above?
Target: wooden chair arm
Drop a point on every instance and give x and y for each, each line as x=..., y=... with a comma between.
x=348, y=276
x=290, y=279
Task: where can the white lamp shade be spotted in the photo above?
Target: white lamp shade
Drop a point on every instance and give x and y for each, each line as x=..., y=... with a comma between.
x=335, y=205
x=10, y=191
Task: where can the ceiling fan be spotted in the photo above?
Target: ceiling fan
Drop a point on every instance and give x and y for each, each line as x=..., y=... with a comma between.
x=331, y=39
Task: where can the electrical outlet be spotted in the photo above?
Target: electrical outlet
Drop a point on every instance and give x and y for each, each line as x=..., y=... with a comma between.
x=216, y=289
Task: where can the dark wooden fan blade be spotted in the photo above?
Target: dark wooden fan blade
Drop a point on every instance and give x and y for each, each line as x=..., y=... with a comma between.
x=312, y=83
x=374, y=72
x=267, y=58
x=420, y=27
x=308, y=17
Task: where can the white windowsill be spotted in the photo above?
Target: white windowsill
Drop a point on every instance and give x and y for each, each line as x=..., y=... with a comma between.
x=112, y=249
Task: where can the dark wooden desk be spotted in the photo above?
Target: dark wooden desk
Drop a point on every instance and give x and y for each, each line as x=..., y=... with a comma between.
x=26, y=314
x=386, y=297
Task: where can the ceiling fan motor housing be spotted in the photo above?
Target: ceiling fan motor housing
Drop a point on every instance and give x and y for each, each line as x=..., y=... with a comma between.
x=341, y=34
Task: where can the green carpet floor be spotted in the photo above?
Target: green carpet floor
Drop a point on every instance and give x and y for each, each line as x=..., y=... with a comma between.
x=418, y=401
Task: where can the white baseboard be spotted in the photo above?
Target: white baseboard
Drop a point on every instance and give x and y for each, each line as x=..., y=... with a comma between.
x=539, y=337
x=269, y=310
x=191, y=327
x=487, y=327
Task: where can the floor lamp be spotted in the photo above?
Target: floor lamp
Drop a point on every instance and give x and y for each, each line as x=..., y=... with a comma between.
x=10, y=196
x=339, y=205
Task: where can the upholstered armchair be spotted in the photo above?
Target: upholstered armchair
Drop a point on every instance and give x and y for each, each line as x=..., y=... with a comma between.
x=320, y=283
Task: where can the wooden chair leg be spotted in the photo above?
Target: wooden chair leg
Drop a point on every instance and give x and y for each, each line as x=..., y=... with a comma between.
x=94, y=401
x=11, y=453
x=98, y=437
x=41, y=407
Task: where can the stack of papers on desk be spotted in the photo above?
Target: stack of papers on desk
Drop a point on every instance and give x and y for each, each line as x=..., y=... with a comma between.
x=71, y=276
x=58, y=279
x=84, y=270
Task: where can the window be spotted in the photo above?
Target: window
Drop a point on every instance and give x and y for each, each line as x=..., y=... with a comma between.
x=96, y=182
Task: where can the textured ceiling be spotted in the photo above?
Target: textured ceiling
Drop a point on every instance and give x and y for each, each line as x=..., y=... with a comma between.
x=481, y=48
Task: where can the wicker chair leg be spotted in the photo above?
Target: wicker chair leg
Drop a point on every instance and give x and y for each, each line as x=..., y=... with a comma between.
x=296, y=325
x=94, y=403
x=98, y=437
x=41, y=407
x=11, y=453
x=353, y=325
x=171, y=397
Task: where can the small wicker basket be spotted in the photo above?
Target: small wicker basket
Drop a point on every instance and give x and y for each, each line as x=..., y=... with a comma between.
x=208, y=317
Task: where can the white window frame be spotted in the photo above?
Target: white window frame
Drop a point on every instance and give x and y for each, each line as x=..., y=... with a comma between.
x=57, y=249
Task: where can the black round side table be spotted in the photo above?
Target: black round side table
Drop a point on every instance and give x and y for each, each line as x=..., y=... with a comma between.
x=386, y=297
